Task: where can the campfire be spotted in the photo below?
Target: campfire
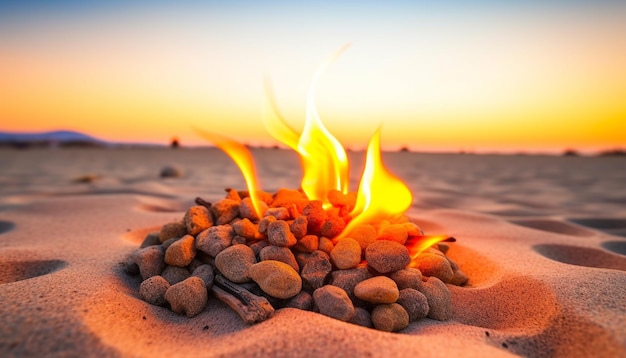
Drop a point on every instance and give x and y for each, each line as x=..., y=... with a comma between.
x=353, y=256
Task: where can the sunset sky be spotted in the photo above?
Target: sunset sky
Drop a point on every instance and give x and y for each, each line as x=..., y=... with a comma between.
x=439, y=75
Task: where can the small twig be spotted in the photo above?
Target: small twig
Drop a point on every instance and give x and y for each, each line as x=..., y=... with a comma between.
x=250, y=307
x=200, y=201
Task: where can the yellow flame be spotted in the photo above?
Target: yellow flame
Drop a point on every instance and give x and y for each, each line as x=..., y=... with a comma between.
x=240, y=154
x=324, y=160
x=381, y=195
x=423, y=242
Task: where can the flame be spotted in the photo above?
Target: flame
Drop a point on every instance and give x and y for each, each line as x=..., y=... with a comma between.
x=381, y=195
x=324, y=160
x=240, y=154
x=422, y=243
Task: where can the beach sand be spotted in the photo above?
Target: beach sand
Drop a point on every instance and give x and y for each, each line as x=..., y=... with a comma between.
x=542, y=239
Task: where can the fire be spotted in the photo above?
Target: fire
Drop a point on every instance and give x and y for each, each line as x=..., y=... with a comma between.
x=418, y=244
x=240, y=154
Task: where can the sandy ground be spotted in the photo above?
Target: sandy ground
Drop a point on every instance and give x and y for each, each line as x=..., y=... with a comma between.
x=541, y=238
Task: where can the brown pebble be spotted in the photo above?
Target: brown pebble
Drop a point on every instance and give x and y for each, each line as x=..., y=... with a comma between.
x=407, y=278
x=362, y=318
x=302, y=300
x=258, y=246
x=287, y=198
x=346, y=253
x=280, y=213
x=232, y=194
x=197, y=219
x=181, y=252
x=412, y=229
x=265, y=223
x=326, y=245
x=234, y=262
x=364, y=235
x=348, y=279
x=151, y=261
x=238, y=240
x=152, y=290
x=332, y=227
x=390, y=317
x=224, y=211
x=316, y=268
x=215, y=239
x=278, y=234
x=434, y=265
x=387, y=256
x=414, y=303
x=171, y=171
x=206, y=273
x=337, y=198
x=174, y=274
x=150, y=239
x=379, y=289
x=282, y=254
x=315, y=215
x=245, y=228
x=169, y=242
x=299, y=227
x=276, y=278
x=394, y=232
x=307, y=243
x=172, y=230
x=439, y=299
x=334, y=302
x=189, y=297
x=246, y=209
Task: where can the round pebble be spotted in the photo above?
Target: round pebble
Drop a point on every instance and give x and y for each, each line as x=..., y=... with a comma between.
x=379, y=289
x=205, y=272
x=235, y=261
x=390, y=317
x=364, y=235
x=395, y=232
x=334, y=302
x=197, y=219
x=439, y=299
x=333, y=226
x=308, y=243
x=170, y=171
x=245, y=228
x=315, y=269
x=362, y=318
x=152, y=290
x=346, y=253
x=298, y=227
x=276, y=278
x=282, y=254
x=181, y=252
x=414, y=303
x=387, y=256
x=224, y=211
x=315, y=215
x=189, y=297
x=302, y=300
x=278, y=234
x=434, y=265
x=407, y=278
x=246, y=209
x=215, y=239
x=172, y=230
x=326, y=244
x=174, y=274
x=150, y=261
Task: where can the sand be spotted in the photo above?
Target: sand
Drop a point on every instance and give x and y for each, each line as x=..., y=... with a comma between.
x=539, y=238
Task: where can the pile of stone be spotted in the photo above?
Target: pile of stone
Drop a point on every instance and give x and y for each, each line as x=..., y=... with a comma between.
x=291, y=257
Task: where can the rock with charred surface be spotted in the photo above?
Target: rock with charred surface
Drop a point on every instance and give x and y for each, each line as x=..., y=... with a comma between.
x=250, y=307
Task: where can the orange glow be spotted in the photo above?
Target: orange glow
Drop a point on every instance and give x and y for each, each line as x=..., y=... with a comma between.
x=381, y=195
x=422, y=243
x=242, y=157
x=324, y=159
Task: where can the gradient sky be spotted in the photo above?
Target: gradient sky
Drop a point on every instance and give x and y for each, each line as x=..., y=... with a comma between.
x=440, y=75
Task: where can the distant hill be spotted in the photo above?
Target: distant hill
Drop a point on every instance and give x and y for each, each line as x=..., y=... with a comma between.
x=61, y=138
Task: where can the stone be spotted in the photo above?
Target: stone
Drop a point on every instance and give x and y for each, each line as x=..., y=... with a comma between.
x=258, y=246
x=346, y=253
x=409, y=277
x=169, y=242
x=288, y=198
x=348, y=279
x=332, y=227
x=379, y=289
x=188, y=297
x=206, y=273
x=265, y=223
x=245, y=228
x=412, y=229
x=181, y=252
x=387, y=256
x=282, y=254
x=325, y=244
x=364, y=235
x=316, y=268
x=214, y=239
x=280, y=213
x=307, y=243
x=434, y=265
x=315, y=215
x=152, y=290
x=172, y=230
x=224, y=211
x=459, y=278
x=302, y=300
x=414, y=303
x=390, y=317
x=338, y=199
x=298, y=227
x=234, y=262
x=151, y=261
x=174, y=274
x=362, y=317
x=394, y=232
x=171, y=171
x=197, y=219
x=334, y=302
x=246, y=209
x=278, y=234
x=276, y=278
x=439, y=299
x=150, y=239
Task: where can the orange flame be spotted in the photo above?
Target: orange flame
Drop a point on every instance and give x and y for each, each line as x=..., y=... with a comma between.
x=243, y=158
x=381, y=195
x=422, y=243
x=324, y=160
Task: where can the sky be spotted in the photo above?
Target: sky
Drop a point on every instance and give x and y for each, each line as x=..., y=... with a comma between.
x=476, y=76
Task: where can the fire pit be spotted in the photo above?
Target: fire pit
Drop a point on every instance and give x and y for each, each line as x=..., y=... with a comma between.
x=353, y=256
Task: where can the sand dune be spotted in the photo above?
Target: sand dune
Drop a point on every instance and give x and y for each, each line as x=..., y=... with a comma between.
x=539, y=238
